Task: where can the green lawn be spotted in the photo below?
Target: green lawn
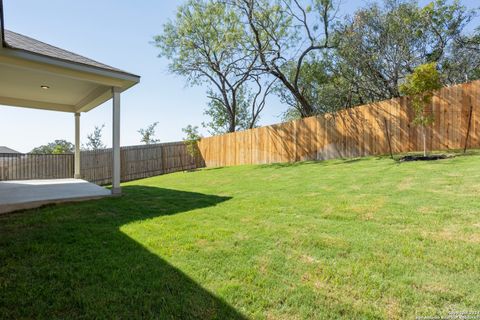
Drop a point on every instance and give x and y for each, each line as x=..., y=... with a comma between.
x=364, y=238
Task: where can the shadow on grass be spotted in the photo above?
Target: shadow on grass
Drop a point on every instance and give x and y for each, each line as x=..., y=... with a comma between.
x=332, y=162
x=72, y=261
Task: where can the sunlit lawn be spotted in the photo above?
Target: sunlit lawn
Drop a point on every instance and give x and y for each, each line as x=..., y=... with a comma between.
x=366, y=238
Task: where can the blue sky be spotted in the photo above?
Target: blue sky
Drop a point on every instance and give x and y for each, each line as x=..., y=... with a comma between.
x=117, y=33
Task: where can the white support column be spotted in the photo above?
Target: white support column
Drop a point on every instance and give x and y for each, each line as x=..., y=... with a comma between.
x=77, y=174
x=116, y=142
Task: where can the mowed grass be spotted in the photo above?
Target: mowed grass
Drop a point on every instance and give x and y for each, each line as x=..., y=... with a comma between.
x=348, y=239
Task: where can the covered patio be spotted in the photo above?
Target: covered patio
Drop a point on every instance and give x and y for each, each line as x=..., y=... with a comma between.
x=36, y=75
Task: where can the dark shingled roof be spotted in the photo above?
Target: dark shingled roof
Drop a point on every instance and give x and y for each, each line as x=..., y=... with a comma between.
x=15, y=40
x=4, y=149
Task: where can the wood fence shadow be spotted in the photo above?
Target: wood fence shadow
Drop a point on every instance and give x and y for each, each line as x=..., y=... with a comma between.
x=374, y=129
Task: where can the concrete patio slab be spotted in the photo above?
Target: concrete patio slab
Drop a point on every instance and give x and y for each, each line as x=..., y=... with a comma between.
x=20, y=195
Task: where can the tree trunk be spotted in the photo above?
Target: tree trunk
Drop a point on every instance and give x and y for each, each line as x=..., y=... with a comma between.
x=306, y=109
x=232, y=126
x=233, y=115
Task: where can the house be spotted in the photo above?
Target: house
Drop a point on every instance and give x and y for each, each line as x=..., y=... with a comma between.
x=34, y=74
x=7, y=151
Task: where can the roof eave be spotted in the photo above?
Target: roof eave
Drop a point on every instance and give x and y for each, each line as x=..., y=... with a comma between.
x=127, y=80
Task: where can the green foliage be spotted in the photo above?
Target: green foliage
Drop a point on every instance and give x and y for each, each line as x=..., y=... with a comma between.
x=148, y=134
x=288, y=36
x=291, y=114
x=420, y=86
x=325, y=89
x=206, y=45
x=320, y=63
x=200, y=30
x=383, y=43
x=191, y=139
x=221, y=120
x=95, y=139
x=463, y=61
x=56, y=147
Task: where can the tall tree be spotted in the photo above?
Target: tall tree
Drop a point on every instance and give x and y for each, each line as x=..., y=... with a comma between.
x=463, y=60
x=383, y=43
x=220, y=121
x=322, y=85
x=204, y=44
x=55, y=147
x=95, y=139
x=250, y=103
x=148, y=134
x=286, y=35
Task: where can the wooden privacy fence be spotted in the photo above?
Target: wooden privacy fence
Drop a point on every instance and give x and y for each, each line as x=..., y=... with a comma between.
x=19, y=166
x=355, y=132
x=371, y=129
x=138, y=162
x=96, y=166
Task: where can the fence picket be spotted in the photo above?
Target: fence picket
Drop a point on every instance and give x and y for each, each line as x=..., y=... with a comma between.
x=354, y=132
x=348, y=133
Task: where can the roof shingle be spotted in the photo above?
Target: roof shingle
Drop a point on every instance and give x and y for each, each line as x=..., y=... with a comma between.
x=4, y=150
x=18, y=41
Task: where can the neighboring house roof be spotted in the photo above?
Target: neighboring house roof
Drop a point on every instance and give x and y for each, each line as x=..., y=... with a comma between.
x=18, y=41
x=4, y=149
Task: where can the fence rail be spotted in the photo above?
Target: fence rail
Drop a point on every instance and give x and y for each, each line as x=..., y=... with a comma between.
x=19, y=166
x=138, y=162
x=365, y=130
x=96, y=166
x=361, y=131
